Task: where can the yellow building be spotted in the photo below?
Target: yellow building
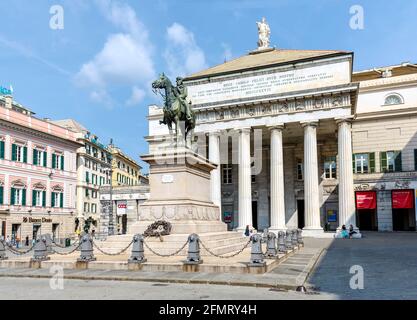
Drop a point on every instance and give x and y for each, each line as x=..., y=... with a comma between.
x=126, y=171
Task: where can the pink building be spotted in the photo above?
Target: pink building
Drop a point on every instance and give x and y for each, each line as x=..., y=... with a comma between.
x=38, y=175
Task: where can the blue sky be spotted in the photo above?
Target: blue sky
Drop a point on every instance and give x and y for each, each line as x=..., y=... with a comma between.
x=97, y=70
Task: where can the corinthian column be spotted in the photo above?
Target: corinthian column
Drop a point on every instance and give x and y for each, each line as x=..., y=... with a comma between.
x=214, y=156
x=311, y=181
x=277, y=180
x=346, y=193
x=245, y=188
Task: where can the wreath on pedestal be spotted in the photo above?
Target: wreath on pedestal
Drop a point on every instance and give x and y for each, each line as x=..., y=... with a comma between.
x=158, y=229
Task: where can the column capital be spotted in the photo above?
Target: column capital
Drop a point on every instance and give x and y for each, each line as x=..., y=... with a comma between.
x=215, y=133
x=244, y=130
x=279, y=126
x=311, y=123
x=348, y=119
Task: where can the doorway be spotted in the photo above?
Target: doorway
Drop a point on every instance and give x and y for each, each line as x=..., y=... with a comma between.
x=403, y=220
x=124, y=224
x=255, y=214
x=55, y=231
x=36, y=231
x=367, y=220
x=300, y=212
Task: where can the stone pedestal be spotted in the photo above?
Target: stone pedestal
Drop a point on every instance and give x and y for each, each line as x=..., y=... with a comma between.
x=180, y=194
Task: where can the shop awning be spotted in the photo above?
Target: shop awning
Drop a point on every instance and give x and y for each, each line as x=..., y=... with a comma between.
x=366, y=200
x=402, y=199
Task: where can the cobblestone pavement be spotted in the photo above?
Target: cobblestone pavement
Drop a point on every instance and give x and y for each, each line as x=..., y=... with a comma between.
x=389, y=262
x=29, y=288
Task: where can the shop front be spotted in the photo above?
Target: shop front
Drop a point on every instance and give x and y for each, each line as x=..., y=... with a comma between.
x=366, y=210
x=403, y=210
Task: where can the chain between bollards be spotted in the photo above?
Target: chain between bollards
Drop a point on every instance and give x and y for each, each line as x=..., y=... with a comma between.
x=111, y=254
x=165, y=255
x=225, y=256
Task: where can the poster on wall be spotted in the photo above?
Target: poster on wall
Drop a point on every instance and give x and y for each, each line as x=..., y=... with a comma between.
x=365, y=200
x=227, y=217
x=331, y=216
x=121, y=208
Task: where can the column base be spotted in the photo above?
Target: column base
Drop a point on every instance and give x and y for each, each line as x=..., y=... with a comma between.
x=313, y=232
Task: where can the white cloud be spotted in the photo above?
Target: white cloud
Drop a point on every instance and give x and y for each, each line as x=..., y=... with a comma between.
x=183, y=56
x=136, y=97
x=125, y=59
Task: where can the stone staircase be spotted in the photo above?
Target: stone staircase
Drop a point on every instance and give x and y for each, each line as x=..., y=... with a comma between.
x=218, y=242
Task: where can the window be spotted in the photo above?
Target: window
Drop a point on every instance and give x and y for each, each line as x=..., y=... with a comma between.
x=86, y=207
x=57, y=200
x=57, y=161
x=300, y=170
x=93, y=208
x=330, y=168
x=253, y=178
x=393, y=99
x=94, y=179
x=87, y=192
x=391, y=161
x=39, y=157
x=19, y=153
x=18, y=197
x=1, y=195
x=227, y=173
x=2, y=145
x=364, y=163
x=38, y=198
x=94, y=194
x=415, y=159
x=88, y=149
x=87, y=177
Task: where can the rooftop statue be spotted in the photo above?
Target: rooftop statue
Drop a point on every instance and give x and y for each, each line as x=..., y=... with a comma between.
x=264, y=34
x=177, y=110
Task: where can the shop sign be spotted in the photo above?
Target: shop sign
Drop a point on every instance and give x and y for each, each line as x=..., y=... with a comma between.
x=366, y=200
x=36, y=220
x=402, y=199
x=121, y=208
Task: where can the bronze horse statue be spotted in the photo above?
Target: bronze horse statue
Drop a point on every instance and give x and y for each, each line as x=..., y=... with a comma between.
x=176, y=108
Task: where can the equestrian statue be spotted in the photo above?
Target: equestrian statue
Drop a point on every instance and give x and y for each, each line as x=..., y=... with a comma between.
x=177, y=110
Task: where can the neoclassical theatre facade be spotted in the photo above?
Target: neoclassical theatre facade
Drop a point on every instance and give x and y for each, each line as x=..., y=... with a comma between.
x=303, y=141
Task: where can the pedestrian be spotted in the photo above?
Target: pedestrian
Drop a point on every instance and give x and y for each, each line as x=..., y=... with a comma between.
x=27, y=241
x=351, y=231
x=8, y=240
x=344, y=233
x=93, y=233
x=17, y=242
x=247, y=231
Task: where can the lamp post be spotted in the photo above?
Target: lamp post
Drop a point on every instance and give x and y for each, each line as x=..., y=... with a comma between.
x=111, y=218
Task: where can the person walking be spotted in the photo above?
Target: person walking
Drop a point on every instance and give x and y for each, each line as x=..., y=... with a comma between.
x=247, y=231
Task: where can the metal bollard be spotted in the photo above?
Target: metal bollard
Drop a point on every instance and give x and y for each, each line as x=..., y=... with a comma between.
x=138, y=255
x=256, y=256
x=40, y=252
x=281, y=242
x=2, y=251
x=300, y=237
x=271, y=245
x=294, y=238
x=193, y=255
x=48, y=243
x=288, y=241
x=87, y=253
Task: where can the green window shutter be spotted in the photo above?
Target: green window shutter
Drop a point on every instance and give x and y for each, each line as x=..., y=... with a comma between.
x=12, y=196
x=52, y=199
x=62, y=162
x=35, y=157
x=44, y=199
x=383, y=158
x=23, y=197
x=25, y=154
x=372, y=162
x=14, y=152
x=87, y=177
x=1, y=149
x=45, y=159
x=415, y=159
x=61, y=198
x=33, y=198
x=1, y=195
x=53, y=161
x=398, y=162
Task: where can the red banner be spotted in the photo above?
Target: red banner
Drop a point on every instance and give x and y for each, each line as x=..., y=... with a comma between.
x=402, y=199
x=366, y=200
